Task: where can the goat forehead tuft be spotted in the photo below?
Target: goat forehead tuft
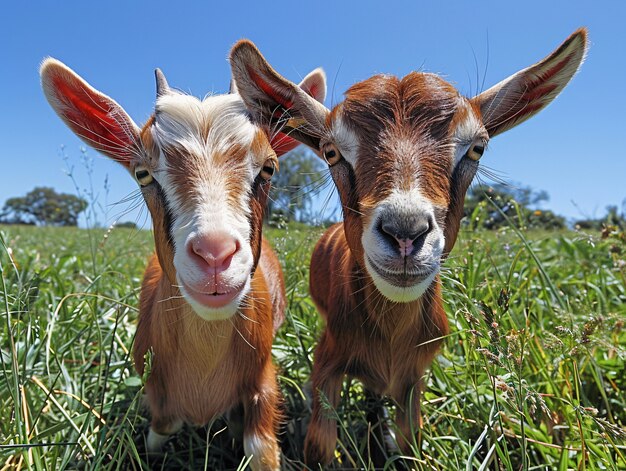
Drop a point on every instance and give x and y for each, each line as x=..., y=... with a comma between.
x=384, y=105
x=208, y=151
x=214, y=123
x=428, y=98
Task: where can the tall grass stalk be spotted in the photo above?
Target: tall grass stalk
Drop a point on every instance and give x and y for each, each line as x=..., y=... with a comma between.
x=532, y=375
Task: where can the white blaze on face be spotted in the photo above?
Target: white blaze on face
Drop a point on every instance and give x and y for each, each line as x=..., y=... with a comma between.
x=382, y=260
x=205, y=201
x=398, y=278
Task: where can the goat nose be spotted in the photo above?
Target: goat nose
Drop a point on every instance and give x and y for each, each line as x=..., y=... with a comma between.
x=408, y=238
x=215, y=249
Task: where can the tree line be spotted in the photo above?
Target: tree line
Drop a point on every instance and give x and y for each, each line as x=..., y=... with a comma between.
x=295, y=191
x=43, y=206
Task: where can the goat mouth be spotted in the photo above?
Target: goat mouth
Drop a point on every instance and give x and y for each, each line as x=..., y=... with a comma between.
x=215, y=299
x=403, y=278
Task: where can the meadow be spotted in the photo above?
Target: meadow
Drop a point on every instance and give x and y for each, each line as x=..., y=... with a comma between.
x=532, y=376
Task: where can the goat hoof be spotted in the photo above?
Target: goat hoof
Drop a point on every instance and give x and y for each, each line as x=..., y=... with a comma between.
x=156, y=441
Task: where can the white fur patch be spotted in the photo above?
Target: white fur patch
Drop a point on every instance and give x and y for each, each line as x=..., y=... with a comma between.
x=398, y=294
x=346, y=141
x=465, y=134
x=377, y=250
x=156, y=440
x=182, y=121
x=256, y=447
x=212, y=213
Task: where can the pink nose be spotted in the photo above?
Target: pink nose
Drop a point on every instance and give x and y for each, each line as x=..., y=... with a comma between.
x=214, y=250
x=406, y=246
x=405, y=234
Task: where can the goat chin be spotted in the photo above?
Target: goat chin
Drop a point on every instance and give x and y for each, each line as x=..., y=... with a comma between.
x=414, y=289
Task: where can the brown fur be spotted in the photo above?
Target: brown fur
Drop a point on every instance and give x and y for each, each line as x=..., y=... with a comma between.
x=199, y=369
x=203, y=369
x=405, y=130
x=384, y=344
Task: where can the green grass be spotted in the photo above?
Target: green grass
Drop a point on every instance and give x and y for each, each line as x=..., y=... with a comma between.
x=532, y=376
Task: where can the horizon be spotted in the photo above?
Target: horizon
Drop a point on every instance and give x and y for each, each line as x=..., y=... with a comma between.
x=566, y=150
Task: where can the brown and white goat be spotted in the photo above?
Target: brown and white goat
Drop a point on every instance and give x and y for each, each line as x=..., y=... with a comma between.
x=402, y=153
x=213, y=294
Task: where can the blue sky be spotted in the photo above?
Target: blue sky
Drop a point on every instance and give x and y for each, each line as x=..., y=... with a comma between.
x=571, y=149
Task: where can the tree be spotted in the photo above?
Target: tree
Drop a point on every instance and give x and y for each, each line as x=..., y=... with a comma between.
x=612, y=218
x=516, y=203
x=292, y=191
x=127, y=225
x=43, y=206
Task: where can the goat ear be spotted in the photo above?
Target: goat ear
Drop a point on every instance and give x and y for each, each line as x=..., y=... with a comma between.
x=527, y=92
x=94, y=117
x=233, y=87
x=314, y=84
x=293, y=113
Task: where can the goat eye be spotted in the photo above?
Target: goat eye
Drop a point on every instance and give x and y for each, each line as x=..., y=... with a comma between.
x=143, y=175
x=331, y=154
x=475, y=151
x=268, y=169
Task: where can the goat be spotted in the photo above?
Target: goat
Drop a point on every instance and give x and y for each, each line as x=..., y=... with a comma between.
x=213, y=294
x=402, y=153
